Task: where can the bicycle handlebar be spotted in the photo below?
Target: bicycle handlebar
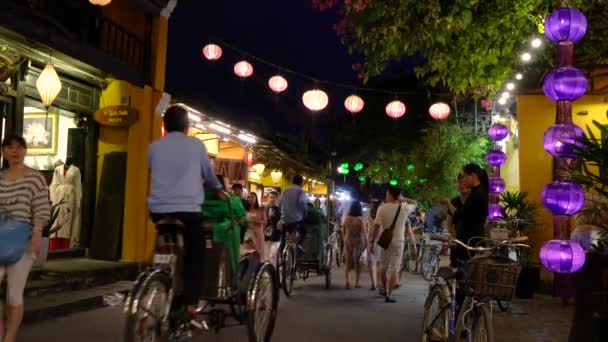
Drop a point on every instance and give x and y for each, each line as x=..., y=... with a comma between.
x=514, y=242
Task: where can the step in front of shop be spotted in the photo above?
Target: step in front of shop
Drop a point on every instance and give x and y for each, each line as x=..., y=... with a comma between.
x=54, y=305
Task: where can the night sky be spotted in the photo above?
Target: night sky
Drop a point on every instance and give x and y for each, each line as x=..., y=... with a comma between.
x=295, y=36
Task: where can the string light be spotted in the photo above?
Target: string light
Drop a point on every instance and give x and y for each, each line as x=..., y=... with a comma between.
x=536, y=43
x=519, y=76
x=526, y=57
x=510, y=86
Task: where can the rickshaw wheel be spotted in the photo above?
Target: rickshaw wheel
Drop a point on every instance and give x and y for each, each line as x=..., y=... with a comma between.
x=287, y=270
x=262, y=304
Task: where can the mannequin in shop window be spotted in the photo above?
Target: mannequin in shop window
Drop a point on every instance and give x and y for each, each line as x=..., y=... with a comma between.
x=66, y=188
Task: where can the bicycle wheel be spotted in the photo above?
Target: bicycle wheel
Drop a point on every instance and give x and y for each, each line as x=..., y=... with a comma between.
x=436, y=320
x=262, y=304
x=476, y=326
x=327, y=268
x=147, y=309
x=430, y=263
x=405, y=261
x=287, y=270
x=483, y=330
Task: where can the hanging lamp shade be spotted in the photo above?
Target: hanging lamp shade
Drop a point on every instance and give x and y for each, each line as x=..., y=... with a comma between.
x=276, y=176
x=496, y=185
x=563, y=198
x=354, y=104
x=498, y=132
x=439, y=111
x=496, y=157
x=250, y=158
x=315, y=99
x=48, y=85
x=259, y=168
x=277, y=83
x=562, y=256
x=565, y=24
x=212, y=52
x=559, y=138
x=243, y=69
x=395, y=109
x=565, y=84
x=100, y=2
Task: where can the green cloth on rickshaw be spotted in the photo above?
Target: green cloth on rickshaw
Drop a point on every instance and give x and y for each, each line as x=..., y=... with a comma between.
x=226, y=223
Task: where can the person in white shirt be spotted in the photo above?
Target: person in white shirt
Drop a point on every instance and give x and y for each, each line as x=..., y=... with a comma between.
x=391, y=258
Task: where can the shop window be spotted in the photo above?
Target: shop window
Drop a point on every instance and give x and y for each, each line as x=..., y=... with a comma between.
x=46, y=135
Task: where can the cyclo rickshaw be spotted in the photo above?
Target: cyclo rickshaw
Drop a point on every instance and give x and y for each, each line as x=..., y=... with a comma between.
x=242, y=288
x=317, y=255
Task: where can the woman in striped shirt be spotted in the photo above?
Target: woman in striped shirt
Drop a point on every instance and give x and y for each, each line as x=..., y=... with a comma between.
x=24, y=197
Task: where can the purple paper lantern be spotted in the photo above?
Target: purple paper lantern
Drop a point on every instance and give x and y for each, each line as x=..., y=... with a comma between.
x=496, y=157
x=565, y=24
x=494, y=211
x=558, y=137
x=565, y=84
x=497, y=132
x=563, y=197
x=562, y=256
x=497, y=185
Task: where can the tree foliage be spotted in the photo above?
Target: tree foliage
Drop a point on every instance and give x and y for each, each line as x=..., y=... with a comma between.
x=470, y=46
x=431, y=166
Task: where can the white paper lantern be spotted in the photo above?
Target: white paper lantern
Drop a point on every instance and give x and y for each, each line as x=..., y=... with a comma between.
x=395, y=109
x=48, y=85
x=259, y=168
x=212, y=52
x=315, y=99
x=354, y=104
x=100, y=2
x=243, y=69
x=276, y=176
x=439, y=111
x=277, y=83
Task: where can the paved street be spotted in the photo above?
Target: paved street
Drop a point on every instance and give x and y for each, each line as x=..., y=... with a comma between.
x=314, y=314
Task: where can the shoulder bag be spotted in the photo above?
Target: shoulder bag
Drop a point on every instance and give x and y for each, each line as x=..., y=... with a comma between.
x=387, y=234
x=14, y=236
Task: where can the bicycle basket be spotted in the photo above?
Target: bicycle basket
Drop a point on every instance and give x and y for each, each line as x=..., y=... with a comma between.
x=491, y=278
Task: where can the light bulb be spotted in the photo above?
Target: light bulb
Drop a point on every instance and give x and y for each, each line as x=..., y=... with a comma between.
x=519, y=76
x=502, y=101
x=536, y=43
x=526, y=57
x=510, y=86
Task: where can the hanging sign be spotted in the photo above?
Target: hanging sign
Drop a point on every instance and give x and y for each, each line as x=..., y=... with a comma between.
x=117, y=116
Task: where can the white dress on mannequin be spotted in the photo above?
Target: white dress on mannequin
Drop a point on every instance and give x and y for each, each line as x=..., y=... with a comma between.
x=67, y=187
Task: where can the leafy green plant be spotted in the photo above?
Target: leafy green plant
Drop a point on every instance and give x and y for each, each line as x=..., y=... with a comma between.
x=518, y=211
x=48, y=230
x=593, y=175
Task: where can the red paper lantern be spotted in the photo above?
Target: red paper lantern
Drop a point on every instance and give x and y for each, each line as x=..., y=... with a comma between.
x=315, y=99
x=212, y=52
x=243, y=69
x=249, y=158
x=354, y=104
x=439, y=111
x=395, y=109
x=277, y=83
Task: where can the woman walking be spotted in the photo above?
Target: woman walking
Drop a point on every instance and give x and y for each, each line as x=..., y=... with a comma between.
x=256, y=216
x=355, y=241
x=24, y=197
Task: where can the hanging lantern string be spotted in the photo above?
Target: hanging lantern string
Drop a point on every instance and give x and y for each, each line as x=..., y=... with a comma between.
x=316, y=80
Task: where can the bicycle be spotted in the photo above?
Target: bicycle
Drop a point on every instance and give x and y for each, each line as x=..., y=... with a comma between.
x=250, y=291
x=474, y=321
x=335, y=241
x=287, y=264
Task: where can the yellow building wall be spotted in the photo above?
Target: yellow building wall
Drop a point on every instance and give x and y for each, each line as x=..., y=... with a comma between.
x=138, y=231
x=536, y=113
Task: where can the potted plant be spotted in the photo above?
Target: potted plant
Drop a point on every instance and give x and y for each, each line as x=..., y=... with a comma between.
x=590, y=322
x=47, y=231
x=519, y=215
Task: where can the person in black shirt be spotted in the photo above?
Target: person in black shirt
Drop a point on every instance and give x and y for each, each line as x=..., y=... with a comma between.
x=272, y=234
x=471, y=217
x=455, y=209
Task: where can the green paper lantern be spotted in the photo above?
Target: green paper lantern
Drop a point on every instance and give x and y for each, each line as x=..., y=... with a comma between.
x=362, y=178
x=358, y=167
x=410, y=167
x=344, y=165
x=408, y=182
x=393, y=182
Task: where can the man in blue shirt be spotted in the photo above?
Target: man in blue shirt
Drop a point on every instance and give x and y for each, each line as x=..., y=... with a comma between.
x=293, y=207
x=180, y=167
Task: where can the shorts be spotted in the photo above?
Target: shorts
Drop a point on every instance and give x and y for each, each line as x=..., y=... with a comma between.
x=391, y=258
x=16, y=275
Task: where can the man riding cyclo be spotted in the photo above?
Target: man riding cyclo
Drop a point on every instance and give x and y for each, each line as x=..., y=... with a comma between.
x=181, y=171
x=293, y=206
